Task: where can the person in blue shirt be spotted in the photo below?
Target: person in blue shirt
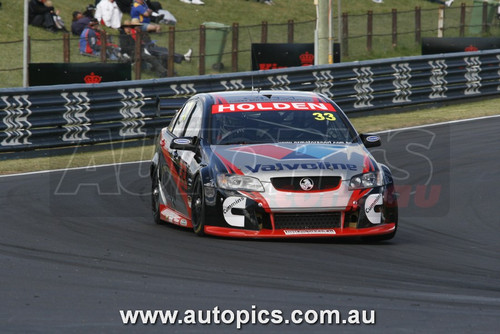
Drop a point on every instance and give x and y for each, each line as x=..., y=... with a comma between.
x=79, y=23
x=141, y=12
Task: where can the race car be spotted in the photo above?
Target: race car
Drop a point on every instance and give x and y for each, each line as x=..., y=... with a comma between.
x=270, y=164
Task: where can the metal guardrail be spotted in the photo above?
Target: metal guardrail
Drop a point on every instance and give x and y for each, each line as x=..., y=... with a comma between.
x=65, y=115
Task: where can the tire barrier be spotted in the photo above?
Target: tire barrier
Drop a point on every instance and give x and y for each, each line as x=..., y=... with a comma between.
x=80, y=114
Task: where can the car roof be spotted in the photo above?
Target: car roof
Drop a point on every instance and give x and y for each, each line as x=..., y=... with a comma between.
x=265, y=95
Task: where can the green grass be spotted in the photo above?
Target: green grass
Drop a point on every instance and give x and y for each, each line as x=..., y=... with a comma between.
x=48, y=47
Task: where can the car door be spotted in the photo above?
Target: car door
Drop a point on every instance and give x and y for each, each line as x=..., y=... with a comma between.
x=188, y=162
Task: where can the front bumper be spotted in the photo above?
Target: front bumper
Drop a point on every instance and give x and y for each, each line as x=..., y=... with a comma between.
x=248, y=215
x=314, y=233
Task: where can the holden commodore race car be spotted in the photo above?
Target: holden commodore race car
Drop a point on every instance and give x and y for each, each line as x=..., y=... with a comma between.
x=269, y=164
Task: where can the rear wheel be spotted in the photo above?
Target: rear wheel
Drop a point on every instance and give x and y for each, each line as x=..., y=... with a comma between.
x=155, y=197
x=198, y=208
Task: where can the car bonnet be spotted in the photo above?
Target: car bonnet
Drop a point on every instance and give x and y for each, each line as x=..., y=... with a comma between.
x=265, y=161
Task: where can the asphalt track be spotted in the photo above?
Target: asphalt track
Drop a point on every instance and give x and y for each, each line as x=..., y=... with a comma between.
x=77, y=246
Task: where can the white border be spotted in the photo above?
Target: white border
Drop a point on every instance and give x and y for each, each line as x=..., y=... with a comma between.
x=142, y=161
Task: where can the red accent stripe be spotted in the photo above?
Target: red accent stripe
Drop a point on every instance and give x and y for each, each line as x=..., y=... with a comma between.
x=230, y=167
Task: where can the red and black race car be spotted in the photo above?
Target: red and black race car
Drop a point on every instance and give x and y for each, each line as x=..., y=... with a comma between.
x=270, y=164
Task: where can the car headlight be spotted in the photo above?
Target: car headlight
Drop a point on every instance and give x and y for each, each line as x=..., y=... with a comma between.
x=239, y=182
x=366, y=180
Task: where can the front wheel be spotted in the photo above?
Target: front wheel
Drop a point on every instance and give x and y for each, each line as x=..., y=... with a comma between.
x=155, y=197
x=198, y=208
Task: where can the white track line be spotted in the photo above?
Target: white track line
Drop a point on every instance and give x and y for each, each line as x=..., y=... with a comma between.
x=437, y=124
x=136, y=162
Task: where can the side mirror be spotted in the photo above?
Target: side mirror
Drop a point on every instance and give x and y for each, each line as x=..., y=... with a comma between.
x=370, y=140
x=184, y=143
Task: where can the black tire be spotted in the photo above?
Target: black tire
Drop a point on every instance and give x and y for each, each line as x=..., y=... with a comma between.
x=198, y=208
x=155, y=197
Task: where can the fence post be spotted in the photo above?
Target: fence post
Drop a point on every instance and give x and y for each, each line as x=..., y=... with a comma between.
x=29, y=49
x=485, y=18
x=462, y=19
x=171, y=51
x=290, y=31
x=263, y=32
x=418, y=24
x=104, y=42
x=369, y=31
x=234, y=53
x=394, y=27
x=440, y=21
x=137, y=54
x=66, y=50
x=203, y=41
x=345, y=34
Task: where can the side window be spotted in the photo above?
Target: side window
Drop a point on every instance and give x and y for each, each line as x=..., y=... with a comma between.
x=194, y=125
x=180, y=122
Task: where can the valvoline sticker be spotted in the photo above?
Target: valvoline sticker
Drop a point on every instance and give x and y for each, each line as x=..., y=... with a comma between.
x=269, y=106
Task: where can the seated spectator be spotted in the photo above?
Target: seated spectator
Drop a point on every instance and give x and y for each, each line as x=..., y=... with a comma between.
x=108, y=14
x=79, y=23
x=90, y=42
x=41, y=14
x=140, y=11
x=90, y=11
x=151, y=54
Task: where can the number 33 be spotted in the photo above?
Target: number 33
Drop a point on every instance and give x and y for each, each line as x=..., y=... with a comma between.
x=324, y=116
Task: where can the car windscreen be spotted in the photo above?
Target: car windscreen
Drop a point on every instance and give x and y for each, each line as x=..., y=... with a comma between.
x=255, y=123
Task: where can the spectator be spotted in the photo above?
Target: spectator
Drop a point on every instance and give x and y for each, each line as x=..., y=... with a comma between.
x=90, y=42
x=41, y=15
x=108, y=14
x=79, y=23
x=140, y=11
x=90, y=11
x=156, y=7
x=151, y=54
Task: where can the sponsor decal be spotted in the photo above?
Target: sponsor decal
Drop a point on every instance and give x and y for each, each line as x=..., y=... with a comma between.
x=371, y=202
x=267, y=106
x=297, y=166
x=234, y=203
x=318, y=231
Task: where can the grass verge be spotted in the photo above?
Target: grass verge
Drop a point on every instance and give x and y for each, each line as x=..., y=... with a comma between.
x=363, y=123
